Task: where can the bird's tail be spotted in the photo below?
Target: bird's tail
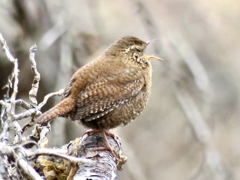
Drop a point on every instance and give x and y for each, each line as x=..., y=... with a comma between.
x=62, y=108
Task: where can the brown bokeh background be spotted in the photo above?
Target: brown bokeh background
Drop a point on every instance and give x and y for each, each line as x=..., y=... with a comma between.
x=190, y=129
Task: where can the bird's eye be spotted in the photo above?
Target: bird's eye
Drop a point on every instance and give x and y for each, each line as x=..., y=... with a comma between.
x=138, y=50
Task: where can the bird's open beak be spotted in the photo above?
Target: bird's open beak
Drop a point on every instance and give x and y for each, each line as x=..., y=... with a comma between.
x=149, y=57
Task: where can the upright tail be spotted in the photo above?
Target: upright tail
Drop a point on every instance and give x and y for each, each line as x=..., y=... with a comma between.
x=62, y=108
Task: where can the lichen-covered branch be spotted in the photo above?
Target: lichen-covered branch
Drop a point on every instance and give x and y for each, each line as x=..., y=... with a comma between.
x=107, y=163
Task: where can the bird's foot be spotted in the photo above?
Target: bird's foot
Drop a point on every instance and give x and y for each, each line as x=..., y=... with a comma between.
x=106, y=141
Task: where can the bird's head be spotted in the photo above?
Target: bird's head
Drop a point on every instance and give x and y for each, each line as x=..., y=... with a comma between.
x=132, y=49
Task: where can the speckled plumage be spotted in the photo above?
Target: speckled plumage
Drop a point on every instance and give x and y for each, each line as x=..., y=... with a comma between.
x=111, y=90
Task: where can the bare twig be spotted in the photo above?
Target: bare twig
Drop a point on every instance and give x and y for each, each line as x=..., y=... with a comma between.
x=5, y=134
x=23, y=164
x=35, y=84
x=6, y=49
x=24, y=104
x=27, y=114
x=28, y=169
x=3, y=103
x=15, y=88
x=18, y=153
x=55, y=152
x=15, y=73
x=11, y=111
x=57, y=93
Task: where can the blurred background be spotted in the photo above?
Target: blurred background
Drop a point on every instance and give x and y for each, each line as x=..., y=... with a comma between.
x=190, y=129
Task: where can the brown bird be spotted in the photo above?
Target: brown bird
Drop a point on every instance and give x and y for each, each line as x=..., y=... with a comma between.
x=111, y=90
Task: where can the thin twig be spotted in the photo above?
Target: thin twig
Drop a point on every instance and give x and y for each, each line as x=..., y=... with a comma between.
x=27, y=114
x=15, y=88
x=57, y=93
x=35, y=84
x=28, y=169
x=22, y=103
x=3, y=110
x=15, y=72
x=55, y=152
x=11, y=111
x=19, y=154
x=15, y=124
x=6, y=50
x=3, y=103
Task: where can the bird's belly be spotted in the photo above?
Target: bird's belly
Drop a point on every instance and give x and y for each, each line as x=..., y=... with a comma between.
x=122, y=115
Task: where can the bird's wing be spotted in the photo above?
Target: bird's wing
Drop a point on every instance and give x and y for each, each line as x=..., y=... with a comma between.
x=67, y=90
x=104, y=95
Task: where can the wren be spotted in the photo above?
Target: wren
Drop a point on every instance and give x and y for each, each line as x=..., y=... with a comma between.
x=111, y=90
